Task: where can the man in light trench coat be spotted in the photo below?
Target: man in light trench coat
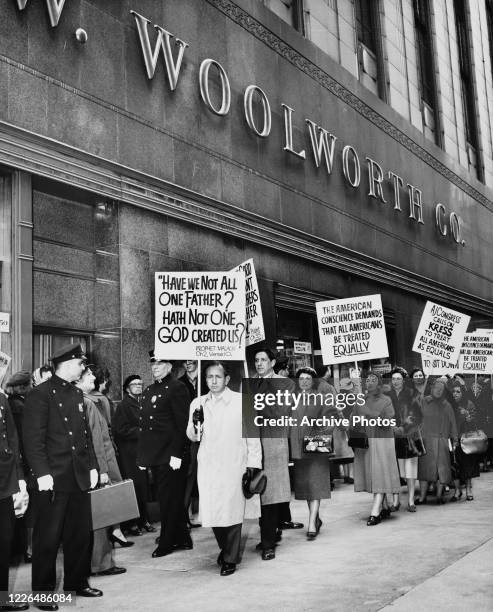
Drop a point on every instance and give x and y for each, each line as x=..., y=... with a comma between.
x=223, y=457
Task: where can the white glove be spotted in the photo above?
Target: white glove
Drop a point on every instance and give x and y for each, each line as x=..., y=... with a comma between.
x=93, y=475
x=104, y=479
x=175, y=463
x=45, y=483
x=141, y=468
x=22, y=486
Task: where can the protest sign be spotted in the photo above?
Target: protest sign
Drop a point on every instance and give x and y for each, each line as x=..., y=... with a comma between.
x=352, y=329
x=436, y=366
x=302, y=348
x=254, y=320
x=4, y=322
x=200, y=315
x=476, y=353
x=4, y=364
x=440, y=333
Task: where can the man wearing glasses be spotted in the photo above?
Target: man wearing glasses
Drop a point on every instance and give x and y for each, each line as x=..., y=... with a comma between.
x=126, y=432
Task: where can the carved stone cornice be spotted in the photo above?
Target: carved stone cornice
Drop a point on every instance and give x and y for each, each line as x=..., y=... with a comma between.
x=45, y=157
x=286, y=51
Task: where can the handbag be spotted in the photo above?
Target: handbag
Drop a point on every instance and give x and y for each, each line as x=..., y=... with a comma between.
x=358, y=439
x=253, y=484
x=474, y=442
x=410, y=446
x=113, y=504
x=319, y=443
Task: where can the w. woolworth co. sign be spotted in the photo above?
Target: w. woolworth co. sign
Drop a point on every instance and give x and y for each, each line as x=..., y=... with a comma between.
x=383, y=185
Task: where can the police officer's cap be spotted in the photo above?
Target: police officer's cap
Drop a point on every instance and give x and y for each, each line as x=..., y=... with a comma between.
x=68, y=352
x=154, y=359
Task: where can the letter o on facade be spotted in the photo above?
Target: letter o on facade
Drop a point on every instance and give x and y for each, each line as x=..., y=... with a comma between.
x=248, y=106
x=346, y=152
x=204, y=87
x=455, y=228
x=439, y=212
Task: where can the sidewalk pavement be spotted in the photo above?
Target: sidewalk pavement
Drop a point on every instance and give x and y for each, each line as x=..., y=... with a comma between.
x=439, y=558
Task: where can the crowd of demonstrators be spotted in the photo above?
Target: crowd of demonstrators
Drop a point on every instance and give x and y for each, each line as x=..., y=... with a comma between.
x=58, y=435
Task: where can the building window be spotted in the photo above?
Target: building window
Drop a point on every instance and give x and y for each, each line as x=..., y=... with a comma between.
x=467, y=87
x=47, y=341
x=426, y=68
x=6, y=259
x=369, y=49
x=290, y=11
x=489, y=21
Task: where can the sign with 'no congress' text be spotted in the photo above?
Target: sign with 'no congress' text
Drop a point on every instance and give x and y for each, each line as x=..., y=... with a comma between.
x=352, y=329
x=200, y=315
x=441, y=332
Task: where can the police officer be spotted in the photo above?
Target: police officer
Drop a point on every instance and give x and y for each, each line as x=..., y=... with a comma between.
x=59, y=451
x=11, y=481
x=162, y=439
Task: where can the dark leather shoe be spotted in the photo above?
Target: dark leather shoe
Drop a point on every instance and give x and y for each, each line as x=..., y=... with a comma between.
x=162, y=552
x=268, y=554
x=148, y=527
x=134, y=531
x=420, y=502
x=373, y=520
x=227, y=569
x=187, y=545
x=15, y=606
x=385, y=513
x=291, y=525
x=89, y=592
x=112, y=571
x=311, y=535
x=53, y=607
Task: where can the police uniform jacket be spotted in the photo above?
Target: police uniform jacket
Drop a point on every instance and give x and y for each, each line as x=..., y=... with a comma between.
x=57, y=438
x=10, y=463
x=163, y=422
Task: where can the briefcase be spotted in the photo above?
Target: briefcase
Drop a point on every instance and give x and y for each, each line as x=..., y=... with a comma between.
x=113, y=504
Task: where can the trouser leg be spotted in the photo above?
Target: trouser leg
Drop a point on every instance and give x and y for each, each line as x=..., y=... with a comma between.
x=77, y=541
x=7, y=524
x=50, y=509
x=268, y=525
x=102, y=551
x=284, y=514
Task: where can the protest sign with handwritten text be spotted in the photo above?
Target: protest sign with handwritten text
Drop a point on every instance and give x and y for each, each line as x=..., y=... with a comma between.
x=200, y=315
x=352, y=329
x=440, y=333
x=254, y=320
